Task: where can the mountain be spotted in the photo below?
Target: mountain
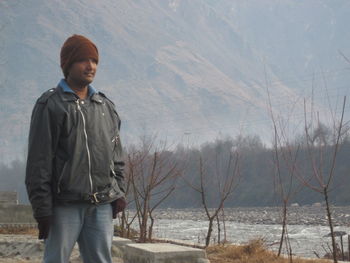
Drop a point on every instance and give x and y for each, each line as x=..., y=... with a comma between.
x=186, y=70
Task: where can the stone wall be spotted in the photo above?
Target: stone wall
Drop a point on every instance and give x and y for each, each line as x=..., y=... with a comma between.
x=10, y=198
x=16, y=214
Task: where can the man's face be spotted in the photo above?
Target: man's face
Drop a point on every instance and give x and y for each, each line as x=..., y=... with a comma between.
x=82, y=72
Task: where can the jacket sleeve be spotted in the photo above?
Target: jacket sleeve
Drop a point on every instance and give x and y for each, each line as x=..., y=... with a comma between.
x=118, y=159
x=39, y=161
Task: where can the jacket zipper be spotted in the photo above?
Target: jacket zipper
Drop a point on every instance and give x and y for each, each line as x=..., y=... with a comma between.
x=86, y=144
x=115, y=141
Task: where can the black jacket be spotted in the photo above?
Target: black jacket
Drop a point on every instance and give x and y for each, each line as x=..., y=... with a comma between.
x=74, y=151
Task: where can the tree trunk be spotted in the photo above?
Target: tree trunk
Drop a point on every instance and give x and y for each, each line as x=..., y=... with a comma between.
x=284, y=221
x=219, y=229
x=342, y=248
x=289, y=247
x=329, y=216
x=144, y=219
x=210, y=229
x=123, y=225
x=150, y=229
x=349, y=247
x=224, y=224
x=128, y=230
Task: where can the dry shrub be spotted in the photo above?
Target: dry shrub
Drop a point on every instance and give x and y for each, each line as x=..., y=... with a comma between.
x=16, y=230
x=254, y=252
x=118, y=231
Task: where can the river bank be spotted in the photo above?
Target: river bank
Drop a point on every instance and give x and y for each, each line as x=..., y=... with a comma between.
x=26, y=248
x=307, y=226
x=297, y=215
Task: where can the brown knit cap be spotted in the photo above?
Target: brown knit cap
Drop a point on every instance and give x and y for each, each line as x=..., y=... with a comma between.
x=74, y=49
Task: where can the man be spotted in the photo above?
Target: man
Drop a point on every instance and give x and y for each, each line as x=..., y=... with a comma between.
x=74, y=174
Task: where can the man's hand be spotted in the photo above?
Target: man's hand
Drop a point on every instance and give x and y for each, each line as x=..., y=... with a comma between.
x=118, y=206
x=44, y=224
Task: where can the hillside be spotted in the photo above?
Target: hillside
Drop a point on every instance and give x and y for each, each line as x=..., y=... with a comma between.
x=186, y=70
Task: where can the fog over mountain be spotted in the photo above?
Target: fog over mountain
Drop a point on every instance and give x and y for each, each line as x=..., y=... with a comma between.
x=187, y=70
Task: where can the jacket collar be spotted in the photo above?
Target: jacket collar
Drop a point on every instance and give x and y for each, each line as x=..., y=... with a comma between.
x=69, y=95
x=96, y=97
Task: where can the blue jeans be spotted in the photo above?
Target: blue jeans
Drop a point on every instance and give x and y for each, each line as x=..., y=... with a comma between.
x=88, y=224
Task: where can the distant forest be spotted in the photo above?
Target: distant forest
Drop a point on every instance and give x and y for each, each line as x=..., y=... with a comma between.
x=260, y=172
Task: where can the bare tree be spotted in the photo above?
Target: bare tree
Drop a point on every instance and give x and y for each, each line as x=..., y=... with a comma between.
x=153, y=179
x=224, y=178
x=321, y=178
x=316, y=139
x=126, y=218
x=165, y=194
x=285, y=163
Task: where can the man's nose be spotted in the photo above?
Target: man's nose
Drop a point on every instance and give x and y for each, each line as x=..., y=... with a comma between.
x=90, y=63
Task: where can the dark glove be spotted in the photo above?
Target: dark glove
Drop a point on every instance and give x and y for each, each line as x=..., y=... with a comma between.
x=44, y=224
x=118, y=206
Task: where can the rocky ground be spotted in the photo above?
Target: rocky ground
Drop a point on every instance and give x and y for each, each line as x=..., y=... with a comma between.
x=27, y=248
x=305, y=215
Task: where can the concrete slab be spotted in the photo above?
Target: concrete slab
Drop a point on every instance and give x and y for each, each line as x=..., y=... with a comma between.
x=163, y=253
x=118, y=246
x=119, y=241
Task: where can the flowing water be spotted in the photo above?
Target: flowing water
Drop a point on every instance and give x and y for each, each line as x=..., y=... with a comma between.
x=304, y=239
x=307, y=227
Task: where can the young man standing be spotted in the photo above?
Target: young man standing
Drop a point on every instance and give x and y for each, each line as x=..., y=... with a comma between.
x=74, y=174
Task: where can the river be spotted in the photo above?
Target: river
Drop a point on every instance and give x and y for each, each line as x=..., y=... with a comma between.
x=307, y=226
